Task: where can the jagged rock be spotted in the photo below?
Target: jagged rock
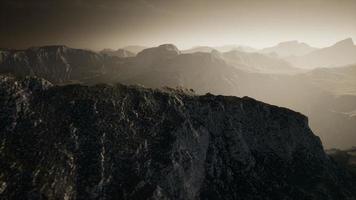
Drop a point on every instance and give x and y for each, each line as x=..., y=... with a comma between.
x=58, y=64
x=121, y=142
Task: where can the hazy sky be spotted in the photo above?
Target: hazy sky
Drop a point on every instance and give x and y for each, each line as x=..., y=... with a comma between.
x=100, y=24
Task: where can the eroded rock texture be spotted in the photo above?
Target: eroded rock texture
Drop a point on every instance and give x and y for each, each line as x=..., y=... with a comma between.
x=121, y=142
x=58, y=64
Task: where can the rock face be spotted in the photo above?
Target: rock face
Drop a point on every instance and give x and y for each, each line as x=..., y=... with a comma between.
x=58, y=64
x=119, y=142
x=345, y=158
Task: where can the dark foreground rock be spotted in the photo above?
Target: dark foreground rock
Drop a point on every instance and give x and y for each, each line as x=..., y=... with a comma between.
x=120, y=142
x=345, y=158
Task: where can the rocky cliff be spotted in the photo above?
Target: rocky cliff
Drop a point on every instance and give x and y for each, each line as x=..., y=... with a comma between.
x=125, y=142
x=58, y=64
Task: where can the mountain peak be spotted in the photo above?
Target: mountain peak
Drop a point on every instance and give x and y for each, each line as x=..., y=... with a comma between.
x=289, y=48
x=345, y=42
x=292, y=42
x=162, y=51
x=169, y=48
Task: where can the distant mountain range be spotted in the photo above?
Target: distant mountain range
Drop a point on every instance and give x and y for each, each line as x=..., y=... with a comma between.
x=243, y=48
x=121, y=53
x=224, y=48
x=298, y=54
x=203, y=49
x=339, y=81
x=134, y=48
x=319, y=93
x=340, y=54
x=289, y=48
x=257, y=62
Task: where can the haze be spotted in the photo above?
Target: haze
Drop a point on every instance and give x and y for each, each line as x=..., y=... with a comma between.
x=112, y=24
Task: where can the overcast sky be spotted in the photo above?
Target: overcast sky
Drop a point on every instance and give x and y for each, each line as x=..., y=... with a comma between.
x=100, y=24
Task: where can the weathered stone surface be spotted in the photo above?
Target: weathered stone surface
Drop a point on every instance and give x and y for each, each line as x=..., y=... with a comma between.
x=58, y=64
x=125, y=142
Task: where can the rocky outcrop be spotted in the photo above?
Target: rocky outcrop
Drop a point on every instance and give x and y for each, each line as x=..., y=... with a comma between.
x=121, y=142
x=58, y=64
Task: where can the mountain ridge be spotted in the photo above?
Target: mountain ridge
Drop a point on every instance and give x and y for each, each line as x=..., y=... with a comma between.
x=205, y=72
x=289, y=48
x=121, y=53
x=340, y=54
x=128, y=142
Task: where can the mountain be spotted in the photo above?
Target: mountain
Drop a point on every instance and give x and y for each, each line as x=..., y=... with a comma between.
x=257, y=62
x=134, y=48
x=126, y=68
x=289, y=48
x=120, y=142
x=339, y=80
x=154, y=54
x=121, y=53
x=58, y=64
x=165, y=65
x=210, y=72
x=340, y=54
x=227, y=48
x=224, y=48
x=203, y=72
x=204, y=49
x=328, y=101
x=248, y=61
